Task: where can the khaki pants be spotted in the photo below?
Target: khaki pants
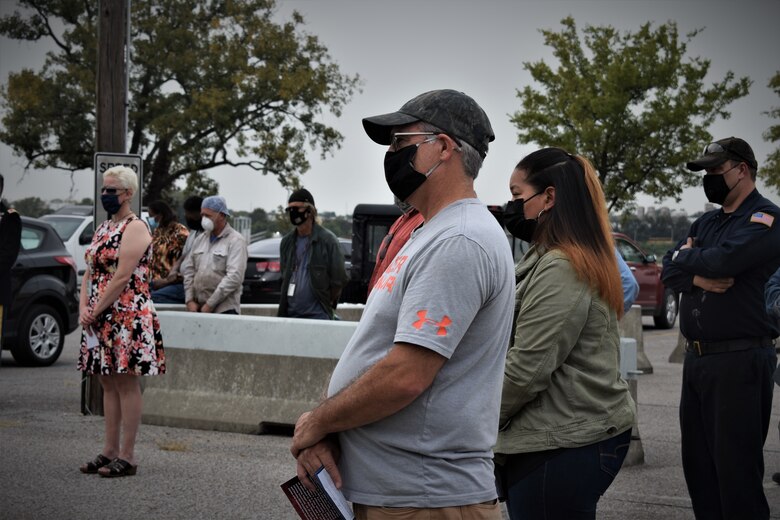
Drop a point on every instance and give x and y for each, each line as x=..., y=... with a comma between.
x=484, y=511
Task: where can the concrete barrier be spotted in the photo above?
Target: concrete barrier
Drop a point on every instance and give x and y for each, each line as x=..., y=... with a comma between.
x=241, y=373
x=630, y=326
x=629, y=372
x=253, y=371
x=678, y=354
x=345, y=311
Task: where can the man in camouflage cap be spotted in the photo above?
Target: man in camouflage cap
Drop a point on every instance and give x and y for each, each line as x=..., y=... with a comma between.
x=402, y=409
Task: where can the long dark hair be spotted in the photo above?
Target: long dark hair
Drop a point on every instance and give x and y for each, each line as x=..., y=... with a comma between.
x=578, y=223
x=164, y=211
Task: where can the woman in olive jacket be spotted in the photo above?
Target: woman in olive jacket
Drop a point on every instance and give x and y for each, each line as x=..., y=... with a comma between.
x=566, y=414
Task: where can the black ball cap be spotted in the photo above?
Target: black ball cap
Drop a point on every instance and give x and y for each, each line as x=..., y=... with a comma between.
x=718, y=152
x=301, y=195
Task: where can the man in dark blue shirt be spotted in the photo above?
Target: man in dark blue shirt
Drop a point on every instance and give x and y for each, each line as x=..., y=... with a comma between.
x=720, y=271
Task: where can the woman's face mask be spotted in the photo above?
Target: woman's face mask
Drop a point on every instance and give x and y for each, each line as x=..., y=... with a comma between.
x=110, y=203
x=516, y=222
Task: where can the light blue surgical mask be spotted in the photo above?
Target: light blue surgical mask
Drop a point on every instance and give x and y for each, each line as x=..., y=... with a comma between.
x=152, y=223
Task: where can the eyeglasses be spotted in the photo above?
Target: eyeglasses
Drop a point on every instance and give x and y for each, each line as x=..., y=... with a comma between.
x=111, y=191
x=395, y=140
x=718, y=148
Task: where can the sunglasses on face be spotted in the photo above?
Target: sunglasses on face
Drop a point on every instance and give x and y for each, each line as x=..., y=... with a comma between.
x=111, y=191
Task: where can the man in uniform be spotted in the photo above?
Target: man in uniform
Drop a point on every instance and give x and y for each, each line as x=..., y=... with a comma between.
x=720, y=270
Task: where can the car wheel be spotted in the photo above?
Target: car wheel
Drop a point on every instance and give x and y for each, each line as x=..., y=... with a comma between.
x=40, y=339
x=667, y=314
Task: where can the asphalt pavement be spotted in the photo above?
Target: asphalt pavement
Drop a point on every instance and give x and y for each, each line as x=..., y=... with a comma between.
x=193, y=474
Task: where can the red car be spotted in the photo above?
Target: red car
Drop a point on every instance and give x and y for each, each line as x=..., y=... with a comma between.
x=656, y=300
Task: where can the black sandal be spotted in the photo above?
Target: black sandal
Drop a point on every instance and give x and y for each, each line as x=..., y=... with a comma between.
x=118, y=468
x=94, y=465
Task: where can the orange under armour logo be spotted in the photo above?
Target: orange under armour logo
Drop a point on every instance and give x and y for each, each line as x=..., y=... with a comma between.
x=442, y=325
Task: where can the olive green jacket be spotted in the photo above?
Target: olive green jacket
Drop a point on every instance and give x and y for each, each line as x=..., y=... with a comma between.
x=562, y=383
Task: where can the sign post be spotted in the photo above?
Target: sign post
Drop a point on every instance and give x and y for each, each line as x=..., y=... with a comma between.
x=113, y=58
x=104, y=161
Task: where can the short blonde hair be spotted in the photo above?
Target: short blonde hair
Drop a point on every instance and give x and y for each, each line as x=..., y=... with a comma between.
x=127, y=178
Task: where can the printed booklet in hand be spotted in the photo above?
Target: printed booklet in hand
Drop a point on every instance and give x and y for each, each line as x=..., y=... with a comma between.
x=327, y=503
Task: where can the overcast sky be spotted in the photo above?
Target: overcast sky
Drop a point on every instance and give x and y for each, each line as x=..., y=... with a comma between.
x=402, y=48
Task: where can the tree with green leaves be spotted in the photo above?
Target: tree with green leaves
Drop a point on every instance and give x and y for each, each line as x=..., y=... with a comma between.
x=31, y=207
x=212, y=83
x=633, y=103
x=770, y=171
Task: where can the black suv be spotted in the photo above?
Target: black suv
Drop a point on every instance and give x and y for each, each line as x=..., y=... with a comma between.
x=44, y=297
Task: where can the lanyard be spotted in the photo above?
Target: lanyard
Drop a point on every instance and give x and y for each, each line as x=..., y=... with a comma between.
x=302, y=257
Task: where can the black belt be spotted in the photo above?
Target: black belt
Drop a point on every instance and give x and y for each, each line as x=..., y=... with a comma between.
x=702, y=348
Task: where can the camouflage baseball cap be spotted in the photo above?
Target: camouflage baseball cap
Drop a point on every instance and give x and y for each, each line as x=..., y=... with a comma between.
x=454, y=112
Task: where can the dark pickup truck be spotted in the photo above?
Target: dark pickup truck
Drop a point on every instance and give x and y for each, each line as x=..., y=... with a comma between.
x=371, y=222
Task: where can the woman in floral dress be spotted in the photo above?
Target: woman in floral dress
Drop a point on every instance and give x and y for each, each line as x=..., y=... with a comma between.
x=121, y=338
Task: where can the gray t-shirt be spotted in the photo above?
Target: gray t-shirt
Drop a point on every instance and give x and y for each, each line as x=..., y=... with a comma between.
x=449, y=289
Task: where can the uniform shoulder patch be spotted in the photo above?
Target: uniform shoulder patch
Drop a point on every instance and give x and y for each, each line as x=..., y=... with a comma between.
x=762, y=218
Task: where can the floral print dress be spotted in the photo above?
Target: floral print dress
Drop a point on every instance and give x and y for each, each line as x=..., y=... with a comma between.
x=128, y=332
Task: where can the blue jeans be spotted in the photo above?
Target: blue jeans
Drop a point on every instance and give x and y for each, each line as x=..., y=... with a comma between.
x=169, y=294
x=567, y=486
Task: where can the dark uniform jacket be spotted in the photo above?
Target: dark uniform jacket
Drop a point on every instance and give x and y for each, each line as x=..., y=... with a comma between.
x=326, y=267
x=10, y=241
x=744, y=245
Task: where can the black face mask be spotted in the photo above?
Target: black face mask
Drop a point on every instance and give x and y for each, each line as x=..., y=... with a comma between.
x=297, y=216
x=194, y=224
x=400, y=175
x=110, y=203
x=516, y=222
x=716, y=189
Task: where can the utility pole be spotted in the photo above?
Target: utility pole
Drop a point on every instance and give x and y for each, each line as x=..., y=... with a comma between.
x=111, y=134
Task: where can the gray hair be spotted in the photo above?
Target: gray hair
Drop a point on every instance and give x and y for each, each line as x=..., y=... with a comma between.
x=470, y=157
x=127, y=178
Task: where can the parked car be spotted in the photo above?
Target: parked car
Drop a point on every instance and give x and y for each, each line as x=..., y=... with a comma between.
x=44, y=296
x=263, y=277
x=656, y=299
x=75, y=226
x=76, y=233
